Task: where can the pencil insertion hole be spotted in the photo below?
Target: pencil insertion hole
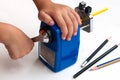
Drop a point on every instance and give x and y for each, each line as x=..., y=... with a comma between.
x=46, y=35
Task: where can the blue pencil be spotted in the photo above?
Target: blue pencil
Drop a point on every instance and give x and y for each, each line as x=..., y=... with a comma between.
x=110, y=62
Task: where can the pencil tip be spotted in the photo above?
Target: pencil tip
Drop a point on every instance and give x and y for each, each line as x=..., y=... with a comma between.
x=110, y=37
x=73, y=79
x=118, y=44
x=93, y=69
x=84, y=63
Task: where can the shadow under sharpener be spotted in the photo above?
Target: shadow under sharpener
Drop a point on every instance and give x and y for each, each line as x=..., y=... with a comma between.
x=58, y=54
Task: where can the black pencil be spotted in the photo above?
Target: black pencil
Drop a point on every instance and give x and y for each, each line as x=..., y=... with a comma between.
x=96, y=60
x=95, y=52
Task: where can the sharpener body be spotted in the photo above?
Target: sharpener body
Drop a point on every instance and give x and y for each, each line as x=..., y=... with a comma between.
x=58, y=54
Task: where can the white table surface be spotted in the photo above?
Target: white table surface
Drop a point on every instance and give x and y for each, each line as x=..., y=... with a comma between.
x=23, y=14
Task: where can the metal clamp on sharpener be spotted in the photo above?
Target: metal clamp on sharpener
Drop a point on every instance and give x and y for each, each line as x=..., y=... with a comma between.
x=86, y=16
x=84, y=13
x=55, y=53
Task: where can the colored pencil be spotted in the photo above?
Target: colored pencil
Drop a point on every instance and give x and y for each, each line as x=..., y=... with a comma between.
x=110, y=62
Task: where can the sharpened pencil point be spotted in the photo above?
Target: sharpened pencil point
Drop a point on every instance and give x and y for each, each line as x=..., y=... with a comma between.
x=83, y=64
x=118, y=44
x=93, y=69
x=109, y=37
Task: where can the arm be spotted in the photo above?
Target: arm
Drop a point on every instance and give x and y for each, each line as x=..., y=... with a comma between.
x=66, y=18
x=15, y=41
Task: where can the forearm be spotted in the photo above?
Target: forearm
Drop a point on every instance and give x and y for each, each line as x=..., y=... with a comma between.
x=16, y=42
x=4, y=33
x=40, y=3
x=9, y=33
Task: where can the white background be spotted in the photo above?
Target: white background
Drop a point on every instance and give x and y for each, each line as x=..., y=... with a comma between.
x=23, y=14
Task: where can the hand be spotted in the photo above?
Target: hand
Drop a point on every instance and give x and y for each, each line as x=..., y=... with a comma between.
x=66, y=18
x=16, y=42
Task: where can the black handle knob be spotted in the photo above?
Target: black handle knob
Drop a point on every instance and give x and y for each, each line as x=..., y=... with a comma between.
x=88, y=10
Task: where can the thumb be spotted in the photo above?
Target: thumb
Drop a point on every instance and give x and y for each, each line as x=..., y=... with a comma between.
x=43, y=16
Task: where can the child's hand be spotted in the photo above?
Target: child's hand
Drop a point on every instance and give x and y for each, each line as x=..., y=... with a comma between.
x=66, y=18
x=16, y=42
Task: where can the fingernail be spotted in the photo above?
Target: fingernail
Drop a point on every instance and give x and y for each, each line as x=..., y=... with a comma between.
x=63, y=38
x=80, y=23
x=51, y=23
x=68, y=39
x=75, y=33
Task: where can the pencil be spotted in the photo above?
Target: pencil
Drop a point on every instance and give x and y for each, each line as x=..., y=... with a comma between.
x=43, y=37
x=95, y=61
x=95, y=52
x=99, y=11
x=94, y=14
x=110, y=62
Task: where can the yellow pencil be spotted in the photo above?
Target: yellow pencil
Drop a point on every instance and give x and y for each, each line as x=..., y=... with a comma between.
x=94, y=14
x=99, y=11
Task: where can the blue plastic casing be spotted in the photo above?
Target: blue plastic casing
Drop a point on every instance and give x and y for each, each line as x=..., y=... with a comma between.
x=59, y=54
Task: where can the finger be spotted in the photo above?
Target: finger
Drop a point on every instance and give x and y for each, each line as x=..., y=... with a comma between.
x=70, y=25
x=77, y=17
x=43, y=16
x=75, y=23
x=61, y=23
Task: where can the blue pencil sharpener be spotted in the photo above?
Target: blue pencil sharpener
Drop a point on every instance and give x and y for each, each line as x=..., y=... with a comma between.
x=57, y=54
